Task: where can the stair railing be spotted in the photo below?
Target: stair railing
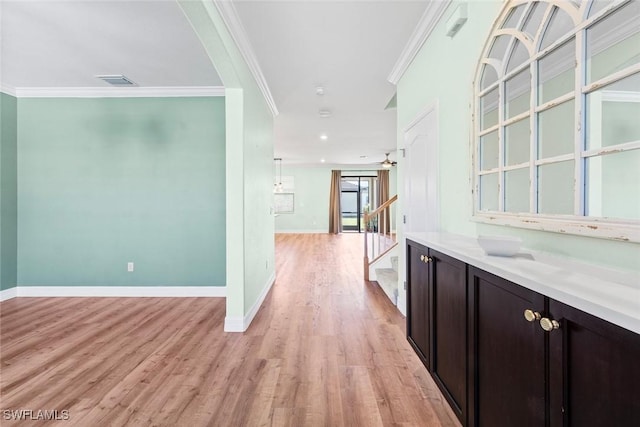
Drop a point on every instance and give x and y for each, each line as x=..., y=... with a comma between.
x=379, y=234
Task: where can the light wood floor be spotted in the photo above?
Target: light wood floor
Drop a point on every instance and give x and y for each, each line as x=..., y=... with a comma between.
x=326, y=349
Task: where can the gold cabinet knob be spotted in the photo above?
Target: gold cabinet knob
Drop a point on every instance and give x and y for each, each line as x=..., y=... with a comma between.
x=428, y=259
x=422, y=257
x=531, y=315
x=549, y=324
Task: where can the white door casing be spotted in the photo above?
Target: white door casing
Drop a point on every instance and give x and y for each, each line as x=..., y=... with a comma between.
x=421, y=174
x=420, y=202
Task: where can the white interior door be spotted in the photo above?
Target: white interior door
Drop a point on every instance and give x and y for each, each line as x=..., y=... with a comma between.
x=420, y=203
x=421, y=174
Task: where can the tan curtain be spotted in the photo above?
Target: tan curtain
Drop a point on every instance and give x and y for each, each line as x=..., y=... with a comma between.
x=335, y=219
x=383, y=196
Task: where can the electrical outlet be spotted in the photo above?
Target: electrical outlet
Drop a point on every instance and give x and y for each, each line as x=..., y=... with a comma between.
x=130, y=267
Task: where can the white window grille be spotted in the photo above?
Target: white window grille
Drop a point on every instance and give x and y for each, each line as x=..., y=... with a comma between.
x=557, y=118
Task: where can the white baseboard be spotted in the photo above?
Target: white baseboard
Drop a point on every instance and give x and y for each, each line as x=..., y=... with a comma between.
x=241, y=324
x=9, y=293
x=121, y=291
x=402, y=303
x=306, y=231
x=234, y=324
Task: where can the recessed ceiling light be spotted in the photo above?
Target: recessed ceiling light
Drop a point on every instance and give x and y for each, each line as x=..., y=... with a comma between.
x=324, y=137
x=322, y=160
x=324, y=113
x=319, y=90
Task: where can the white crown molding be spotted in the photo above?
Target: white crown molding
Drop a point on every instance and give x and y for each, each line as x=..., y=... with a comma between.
x=113, y=92
x=121, y=291
x=421, y=33
x=345, y=167
x=9, y=90
x=231, y=19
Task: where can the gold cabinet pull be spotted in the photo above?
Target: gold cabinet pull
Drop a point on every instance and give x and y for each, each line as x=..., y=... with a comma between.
x=531, y=315
x=425, y=258
x=549, y=324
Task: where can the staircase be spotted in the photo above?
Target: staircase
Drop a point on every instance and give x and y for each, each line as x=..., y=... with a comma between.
x=379, y=242
x=388, y=280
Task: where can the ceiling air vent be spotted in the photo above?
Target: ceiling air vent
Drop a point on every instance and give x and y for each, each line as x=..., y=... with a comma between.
x=117, y=80
x=324, y=113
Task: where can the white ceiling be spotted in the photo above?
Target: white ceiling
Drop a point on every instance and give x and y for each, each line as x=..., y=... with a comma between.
x=348, y=47
x=67, y=43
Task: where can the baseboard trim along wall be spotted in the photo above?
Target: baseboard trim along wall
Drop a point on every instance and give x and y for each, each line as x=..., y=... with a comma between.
x=234, y=324
x=8, y=293
x=114, y=291
x=241, y=324
x=307, y=231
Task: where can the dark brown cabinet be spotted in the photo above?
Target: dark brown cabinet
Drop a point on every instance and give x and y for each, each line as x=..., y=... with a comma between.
x=506, y=367
x=504, y=355
x=418, y=324
x=449, y=329
x=437, y=325
x=594, y=371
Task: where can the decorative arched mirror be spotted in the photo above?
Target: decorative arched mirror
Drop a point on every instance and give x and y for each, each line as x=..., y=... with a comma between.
x=557, y=118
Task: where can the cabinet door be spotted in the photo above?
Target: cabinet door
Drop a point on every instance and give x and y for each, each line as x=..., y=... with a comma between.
x=449, y=329
x=594, y=371
x=418, y=300
x=507, y=369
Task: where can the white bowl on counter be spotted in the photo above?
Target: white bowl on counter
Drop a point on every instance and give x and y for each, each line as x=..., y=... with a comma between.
x=500, y=245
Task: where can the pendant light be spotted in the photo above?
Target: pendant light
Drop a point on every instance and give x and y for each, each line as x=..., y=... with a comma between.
x=278, y=188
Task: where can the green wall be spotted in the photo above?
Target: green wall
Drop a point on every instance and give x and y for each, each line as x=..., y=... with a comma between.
x=311, y=197
x=8, y=192
x=311, y=200
x=259, y=244
x=443, y=73
x=249, y=159
x=102, y=182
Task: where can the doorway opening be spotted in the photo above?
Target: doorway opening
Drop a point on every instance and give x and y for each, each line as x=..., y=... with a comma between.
x=357, y=196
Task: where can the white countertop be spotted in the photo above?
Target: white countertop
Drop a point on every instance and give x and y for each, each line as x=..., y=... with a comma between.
x=612, y=295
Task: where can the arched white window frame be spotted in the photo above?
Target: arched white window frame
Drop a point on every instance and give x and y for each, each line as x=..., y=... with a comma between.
x=577, y=223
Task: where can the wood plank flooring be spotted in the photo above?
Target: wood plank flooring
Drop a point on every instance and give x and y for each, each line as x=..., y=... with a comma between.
x=326, y=349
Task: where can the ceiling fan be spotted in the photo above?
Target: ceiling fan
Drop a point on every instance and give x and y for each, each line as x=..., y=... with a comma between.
x=387, y=163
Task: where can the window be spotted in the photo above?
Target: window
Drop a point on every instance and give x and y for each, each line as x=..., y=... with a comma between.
x=557, y=118
x=357, y=196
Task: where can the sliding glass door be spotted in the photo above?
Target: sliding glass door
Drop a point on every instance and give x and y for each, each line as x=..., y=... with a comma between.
x=356, y=197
